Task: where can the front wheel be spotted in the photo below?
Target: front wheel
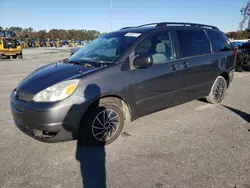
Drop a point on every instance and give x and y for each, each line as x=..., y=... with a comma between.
x=5, y=57
x=102, y=124
x=218, y=91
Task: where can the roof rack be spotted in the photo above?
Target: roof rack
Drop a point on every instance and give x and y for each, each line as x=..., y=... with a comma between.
x=164, y=24
x=126, y=28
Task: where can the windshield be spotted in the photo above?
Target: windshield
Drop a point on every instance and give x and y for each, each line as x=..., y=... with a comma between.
x=6, y=34
x=106, y=48
x=9, y=34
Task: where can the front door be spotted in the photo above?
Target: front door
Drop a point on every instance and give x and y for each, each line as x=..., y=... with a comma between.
x=155, y=87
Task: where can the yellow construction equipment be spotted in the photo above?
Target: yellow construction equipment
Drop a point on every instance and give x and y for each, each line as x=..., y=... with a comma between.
x=48, y=44
x=58, y=44
x=9, y=46
x=72, y=43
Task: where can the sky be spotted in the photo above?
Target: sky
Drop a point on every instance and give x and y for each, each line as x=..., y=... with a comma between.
x=95, y=14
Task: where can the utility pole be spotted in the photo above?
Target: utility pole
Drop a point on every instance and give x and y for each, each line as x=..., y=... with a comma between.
x=111, y=5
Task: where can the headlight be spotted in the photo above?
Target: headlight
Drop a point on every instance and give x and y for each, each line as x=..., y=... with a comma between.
x=56, y=92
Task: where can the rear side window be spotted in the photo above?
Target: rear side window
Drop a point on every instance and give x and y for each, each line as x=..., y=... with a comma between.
x=219, y=41
x=193, y=43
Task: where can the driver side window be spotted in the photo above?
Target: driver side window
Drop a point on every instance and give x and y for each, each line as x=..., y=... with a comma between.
x=158, y=46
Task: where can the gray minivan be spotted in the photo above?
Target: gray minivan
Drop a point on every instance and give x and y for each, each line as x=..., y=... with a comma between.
x=121, y=76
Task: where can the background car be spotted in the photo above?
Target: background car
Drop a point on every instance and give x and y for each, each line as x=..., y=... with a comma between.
x=237, y=43
x=243, y=57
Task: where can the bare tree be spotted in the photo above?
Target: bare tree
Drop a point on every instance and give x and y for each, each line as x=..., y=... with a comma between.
x=245, y=12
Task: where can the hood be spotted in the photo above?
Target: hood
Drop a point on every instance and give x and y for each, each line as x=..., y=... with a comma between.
x=51, y=74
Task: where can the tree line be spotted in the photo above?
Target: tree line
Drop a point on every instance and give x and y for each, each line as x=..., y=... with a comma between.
x=62, y=34
x=239, y=34
x=242, y=33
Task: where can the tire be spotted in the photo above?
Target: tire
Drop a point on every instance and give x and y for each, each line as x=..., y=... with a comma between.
x=218, y=91
x=20, y=56
x=6, y=57
x=14, y=56
x=91, y=130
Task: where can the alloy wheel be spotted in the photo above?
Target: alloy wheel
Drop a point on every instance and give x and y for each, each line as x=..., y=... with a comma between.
x=105, y=125
x=220, y=90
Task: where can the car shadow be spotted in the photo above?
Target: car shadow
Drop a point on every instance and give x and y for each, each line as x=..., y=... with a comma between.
x=92, y=165
x=240, y=113
x=92, y=158
x=243, y=115
x=202, y=100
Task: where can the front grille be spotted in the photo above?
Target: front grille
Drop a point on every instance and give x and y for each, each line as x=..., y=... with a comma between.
x=22, y=96
x=9, y=43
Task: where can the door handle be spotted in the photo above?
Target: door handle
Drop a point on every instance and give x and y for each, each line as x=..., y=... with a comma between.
x=174, y=67
x=186, y=64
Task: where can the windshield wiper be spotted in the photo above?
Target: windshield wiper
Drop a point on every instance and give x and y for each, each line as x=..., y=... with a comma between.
x=83, y=64
x=90, y=63
x=74, y=63
x=104, y=62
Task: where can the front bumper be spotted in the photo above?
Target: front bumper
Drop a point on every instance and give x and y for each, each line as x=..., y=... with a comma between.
x=49, y=122
x=10, y=52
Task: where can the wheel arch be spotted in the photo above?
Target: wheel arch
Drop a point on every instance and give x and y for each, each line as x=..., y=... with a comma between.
x=126, y=107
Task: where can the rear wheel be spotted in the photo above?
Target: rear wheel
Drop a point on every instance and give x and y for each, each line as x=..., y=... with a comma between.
x=218, y=91
x=102, y=124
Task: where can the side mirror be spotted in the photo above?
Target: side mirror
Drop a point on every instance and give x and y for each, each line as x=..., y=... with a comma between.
x=143, y=61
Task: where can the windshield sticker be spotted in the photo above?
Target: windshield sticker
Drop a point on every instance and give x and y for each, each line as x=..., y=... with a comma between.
x=132, y=34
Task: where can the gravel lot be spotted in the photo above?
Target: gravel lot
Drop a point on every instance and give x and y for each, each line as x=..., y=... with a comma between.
x=192, y=145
